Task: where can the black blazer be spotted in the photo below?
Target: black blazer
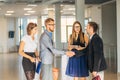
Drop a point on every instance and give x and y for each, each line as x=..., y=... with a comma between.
x=96, y=59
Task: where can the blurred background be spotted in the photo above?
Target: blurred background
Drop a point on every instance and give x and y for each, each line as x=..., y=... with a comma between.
x=16, y=14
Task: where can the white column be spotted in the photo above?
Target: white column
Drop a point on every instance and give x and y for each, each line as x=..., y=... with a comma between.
x=118, y=35
x=58, y=26
x=39, y=24
x=17, y=32
x=80, y=11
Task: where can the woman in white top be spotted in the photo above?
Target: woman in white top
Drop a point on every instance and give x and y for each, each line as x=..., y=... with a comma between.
x=28, y=49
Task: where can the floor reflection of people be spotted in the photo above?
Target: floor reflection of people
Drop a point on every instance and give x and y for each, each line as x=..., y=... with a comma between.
x=28, y=49
x=77, y=66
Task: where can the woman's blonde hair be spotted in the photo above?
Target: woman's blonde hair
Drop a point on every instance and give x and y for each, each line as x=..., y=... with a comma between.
x=30, y=26
x=73, y=35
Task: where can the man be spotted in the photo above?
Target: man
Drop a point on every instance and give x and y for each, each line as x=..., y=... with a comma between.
x=47, y=50
x=96, y=59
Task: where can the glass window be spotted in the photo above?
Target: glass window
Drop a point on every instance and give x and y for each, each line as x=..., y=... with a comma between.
x=43, y=22
x=20, y=29
x=34, y=20
x=69, y=32
x=66, y=27
x=22, y=24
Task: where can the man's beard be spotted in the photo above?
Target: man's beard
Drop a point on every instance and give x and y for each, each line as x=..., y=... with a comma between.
x=51, y=30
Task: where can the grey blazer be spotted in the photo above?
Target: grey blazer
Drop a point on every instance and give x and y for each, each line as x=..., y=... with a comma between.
x=46, y=42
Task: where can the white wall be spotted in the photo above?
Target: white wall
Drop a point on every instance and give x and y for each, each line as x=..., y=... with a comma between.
x=3, y=35
x=110, y=34
x=94, y=12
x=11, y=26
x=109, y=23
x=7, y=44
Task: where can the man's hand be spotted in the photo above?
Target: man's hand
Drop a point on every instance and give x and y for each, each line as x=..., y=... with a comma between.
x=94, y=73
x=70, y=53
x=37, y=58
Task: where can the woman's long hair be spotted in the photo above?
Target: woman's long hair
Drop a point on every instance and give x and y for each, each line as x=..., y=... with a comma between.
x=73, y=35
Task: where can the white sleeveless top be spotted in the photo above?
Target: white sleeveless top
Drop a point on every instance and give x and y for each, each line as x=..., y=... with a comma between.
x=30, y=44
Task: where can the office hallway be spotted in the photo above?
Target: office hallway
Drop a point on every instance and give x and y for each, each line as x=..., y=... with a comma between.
x=11, y=68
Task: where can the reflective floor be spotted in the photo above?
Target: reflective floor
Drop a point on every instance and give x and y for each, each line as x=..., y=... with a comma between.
x=11, y=69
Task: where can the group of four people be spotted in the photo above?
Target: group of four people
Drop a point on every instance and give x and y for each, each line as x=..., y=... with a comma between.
x=78, y=65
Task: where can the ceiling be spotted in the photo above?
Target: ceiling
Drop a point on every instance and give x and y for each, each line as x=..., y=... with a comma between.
x=38, y=7
x=55, y=1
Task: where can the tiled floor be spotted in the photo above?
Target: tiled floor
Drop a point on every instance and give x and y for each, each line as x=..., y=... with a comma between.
x=11, y=69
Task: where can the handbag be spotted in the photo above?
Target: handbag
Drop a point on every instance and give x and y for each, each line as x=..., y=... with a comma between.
x=97, y=78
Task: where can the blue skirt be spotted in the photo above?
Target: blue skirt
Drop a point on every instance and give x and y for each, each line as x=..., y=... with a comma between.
x=77, y=67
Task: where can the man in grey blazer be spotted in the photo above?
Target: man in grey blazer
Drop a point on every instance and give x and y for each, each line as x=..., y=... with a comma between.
x=47, y=50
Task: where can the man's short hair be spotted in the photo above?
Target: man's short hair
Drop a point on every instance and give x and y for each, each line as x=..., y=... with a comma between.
x=94, y=25
x=48, y=20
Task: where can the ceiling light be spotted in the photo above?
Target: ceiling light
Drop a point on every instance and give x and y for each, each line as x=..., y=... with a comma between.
x=26, y=14
x=33, y=5
x=71, y=1
x=10, y=11
x=61, y=11
x=71, y=9
x=8, y=14
x=61, y=1
x=31, y=11
x=50, y=9
x=27, y=9
x=73, y=13
x=61, y=5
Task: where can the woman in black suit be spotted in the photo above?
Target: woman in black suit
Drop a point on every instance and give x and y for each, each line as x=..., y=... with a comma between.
x=96, y=59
